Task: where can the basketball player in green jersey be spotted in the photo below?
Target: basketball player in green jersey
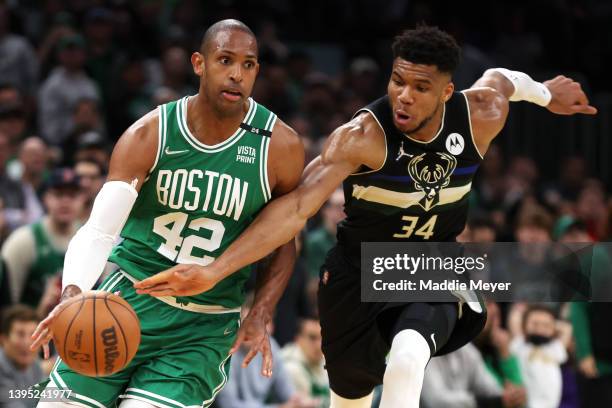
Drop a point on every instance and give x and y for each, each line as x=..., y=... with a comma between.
x=184, y=181
x=406, y=161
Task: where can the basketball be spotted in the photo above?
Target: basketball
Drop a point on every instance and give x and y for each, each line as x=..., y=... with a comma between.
x=97, y=333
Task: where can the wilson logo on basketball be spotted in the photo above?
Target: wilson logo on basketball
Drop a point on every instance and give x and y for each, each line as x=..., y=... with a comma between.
x=109, y=340
x=77, y=339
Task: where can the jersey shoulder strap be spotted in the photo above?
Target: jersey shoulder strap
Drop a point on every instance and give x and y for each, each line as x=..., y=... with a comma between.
x=262, y=122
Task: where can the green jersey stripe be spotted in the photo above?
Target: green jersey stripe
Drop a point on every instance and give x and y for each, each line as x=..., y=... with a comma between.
x=268, y=122
x=248, y=118
x=219, y=387
x=262, y=170
x=265, y=168
x=160, y=140
x=273, y=118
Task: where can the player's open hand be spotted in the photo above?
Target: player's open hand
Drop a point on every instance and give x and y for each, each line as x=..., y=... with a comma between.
x=180, y=280
x=568, y=98
x=43, y=333
x=253, y=333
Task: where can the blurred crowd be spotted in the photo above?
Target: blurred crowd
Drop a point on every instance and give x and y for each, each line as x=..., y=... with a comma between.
x=75, y=74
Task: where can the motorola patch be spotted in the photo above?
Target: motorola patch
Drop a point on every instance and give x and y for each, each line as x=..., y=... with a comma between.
x=455, y=144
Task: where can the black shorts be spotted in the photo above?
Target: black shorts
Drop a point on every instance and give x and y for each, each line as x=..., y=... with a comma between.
x=357, y=336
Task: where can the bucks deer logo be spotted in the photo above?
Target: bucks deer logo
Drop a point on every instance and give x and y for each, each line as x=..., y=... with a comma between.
x=431, y=173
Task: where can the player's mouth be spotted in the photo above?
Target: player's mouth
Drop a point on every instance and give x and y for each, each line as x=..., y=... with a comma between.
x=232, y=95
x=402, y=118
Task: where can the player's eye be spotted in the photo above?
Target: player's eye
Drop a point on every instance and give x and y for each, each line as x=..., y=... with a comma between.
x=224, y=60
x=396, y=82
x=249, y=64
x=422, y=89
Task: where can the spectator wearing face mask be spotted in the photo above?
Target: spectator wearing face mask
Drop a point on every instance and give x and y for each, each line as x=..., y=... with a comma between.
x=540, y=353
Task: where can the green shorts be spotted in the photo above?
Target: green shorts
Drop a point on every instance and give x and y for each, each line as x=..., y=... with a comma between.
x=183, y=359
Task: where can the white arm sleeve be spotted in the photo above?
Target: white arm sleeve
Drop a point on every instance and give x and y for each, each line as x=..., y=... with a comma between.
x=525, y=88
x=90, y=247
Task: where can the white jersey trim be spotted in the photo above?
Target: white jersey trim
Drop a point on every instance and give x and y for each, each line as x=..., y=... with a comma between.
x=192, y=307
x=161, y=136
x=467, y=104
x=386, y=147
x=181, y=117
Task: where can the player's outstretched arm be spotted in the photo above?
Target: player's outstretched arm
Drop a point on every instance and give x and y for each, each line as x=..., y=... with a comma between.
x=88, y=251
x=274, y=271
x=489, y=99
x=346, y=149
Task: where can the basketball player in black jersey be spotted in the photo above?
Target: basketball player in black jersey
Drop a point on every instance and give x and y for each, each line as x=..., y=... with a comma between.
x=407, y=161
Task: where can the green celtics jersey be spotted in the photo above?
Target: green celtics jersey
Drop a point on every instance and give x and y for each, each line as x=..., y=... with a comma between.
x=197, y=200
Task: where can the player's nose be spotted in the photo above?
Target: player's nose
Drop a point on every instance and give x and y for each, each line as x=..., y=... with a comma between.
x=236, y=73
x=405, y=97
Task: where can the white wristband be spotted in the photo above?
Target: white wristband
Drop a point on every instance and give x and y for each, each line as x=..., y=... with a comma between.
x=525, y=88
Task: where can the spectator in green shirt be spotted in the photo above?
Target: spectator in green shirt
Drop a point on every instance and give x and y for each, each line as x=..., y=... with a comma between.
x=591, y=322
x=494, y=344
x=323, y=238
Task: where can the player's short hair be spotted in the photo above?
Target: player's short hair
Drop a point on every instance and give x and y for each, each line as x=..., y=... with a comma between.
x=223, y=25
x=536, y=308
x=17, y=313
x=429, y=46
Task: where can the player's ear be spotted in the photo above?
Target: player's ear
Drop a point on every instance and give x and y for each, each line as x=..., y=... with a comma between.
x=448, y=91
x=197, y=62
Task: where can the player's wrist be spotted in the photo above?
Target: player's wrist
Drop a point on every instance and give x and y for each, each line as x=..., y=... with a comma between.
x=219, y=268
x=70, y=291
x=525, y=88
x=262, y=311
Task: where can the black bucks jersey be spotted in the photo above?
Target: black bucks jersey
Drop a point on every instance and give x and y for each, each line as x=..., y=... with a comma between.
x=421, y=192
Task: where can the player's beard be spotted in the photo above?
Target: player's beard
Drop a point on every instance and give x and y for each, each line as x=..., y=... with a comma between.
x=425, y=121
x=213, y=97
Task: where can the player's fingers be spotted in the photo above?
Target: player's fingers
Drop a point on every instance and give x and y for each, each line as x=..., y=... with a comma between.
x=267, y=359
x=40, y=339
x=237, y=342
x=582, y=99
x=183, y=271
x=46, y=353
x=159, y=286
x=162, y=277
x=162, y=290
x=250, y=355
x=583, y=108
x=39, y=329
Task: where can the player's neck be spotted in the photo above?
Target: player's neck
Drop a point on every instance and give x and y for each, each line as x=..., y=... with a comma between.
x=207, y=124
x=431, y=128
